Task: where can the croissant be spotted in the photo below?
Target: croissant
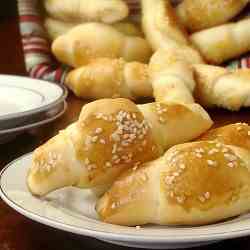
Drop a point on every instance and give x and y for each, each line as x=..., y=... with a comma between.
x=171, y=74
x=106, y=77
x=197, y=15
x=224, y=42
x=237, y=134
x=56, y=28
x=221, y=87
x=107, y=11
x=94, y=40
x=160, y=24
x=177, y=73
x=110, y=136
x=162, y=28
x=192, y=184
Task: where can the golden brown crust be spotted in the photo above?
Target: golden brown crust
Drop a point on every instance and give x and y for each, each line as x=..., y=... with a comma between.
x=89, y=41
x=201, y=182
x=110, y=78
x=221, y=43
x=201, y=14
x=160, y=24
x=198, y=176
x=114, y=135
x=215, y=86
x=110, y=136
x=107, y=11
x=237, y=134
x=172, y=76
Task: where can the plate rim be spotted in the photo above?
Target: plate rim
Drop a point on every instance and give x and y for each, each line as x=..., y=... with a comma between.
x=101, y=234
x=36, y=123
x=39, y=109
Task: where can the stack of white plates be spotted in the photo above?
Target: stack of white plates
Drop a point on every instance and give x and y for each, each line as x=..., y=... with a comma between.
x=27, y=103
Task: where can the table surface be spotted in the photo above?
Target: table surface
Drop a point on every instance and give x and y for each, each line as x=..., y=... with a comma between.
x=19, y=233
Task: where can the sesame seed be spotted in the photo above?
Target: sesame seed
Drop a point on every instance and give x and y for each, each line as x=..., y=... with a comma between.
x=119, y=149
x=125, y=144
x=211, y=163
x=207, y=195
x=230, y=157
x=88, y=140
x=171, y=194
x=212, y=151
x=202, y=199
x=99, y=115
x=86, y=161
x=224, y=150
x=126, y=136
x=176, y=174
x=248, y=133
x=169, y=180
x=230, y=164
x=94, y=138
x=102, y=141
x=136, y=165
x=180, y=199
x=114, y=148
x=161, y=119
x=115, y=137
x=199, y=155
x=114, y=157
x=98, y=130
x=144, y=177
x=108, y=164
x=138, y=227
x=91, y=167
x=113, y=206
x=182, y=166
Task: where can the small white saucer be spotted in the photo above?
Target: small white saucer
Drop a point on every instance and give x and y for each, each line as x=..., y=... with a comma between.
x=23, y=97
x=7, y=135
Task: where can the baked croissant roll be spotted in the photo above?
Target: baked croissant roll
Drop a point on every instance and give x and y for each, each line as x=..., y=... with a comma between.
x=56, y=28
x=110, y=136
x=221, y=87
x=106, y=77
x=192, y=184
x=197, y=15
x=237, y=134
x=160, y=24
x=171, y=74
x=94, y=40
x=176, y=75
x=224, y=42
x=107, y=11
x=162, y=28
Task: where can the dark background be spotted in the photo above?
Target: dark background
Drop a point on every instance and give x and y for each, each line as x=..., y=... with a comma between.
x=8, y=8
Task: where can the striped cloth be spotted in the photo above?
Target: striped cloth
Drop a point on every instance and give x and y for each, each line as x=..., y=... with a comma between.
x=38, y=58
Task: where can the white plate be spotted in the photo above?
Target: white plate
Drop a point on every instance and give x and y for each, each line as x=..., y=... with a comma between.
x=72, y=210
x=8, y=134
x=23, y=96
